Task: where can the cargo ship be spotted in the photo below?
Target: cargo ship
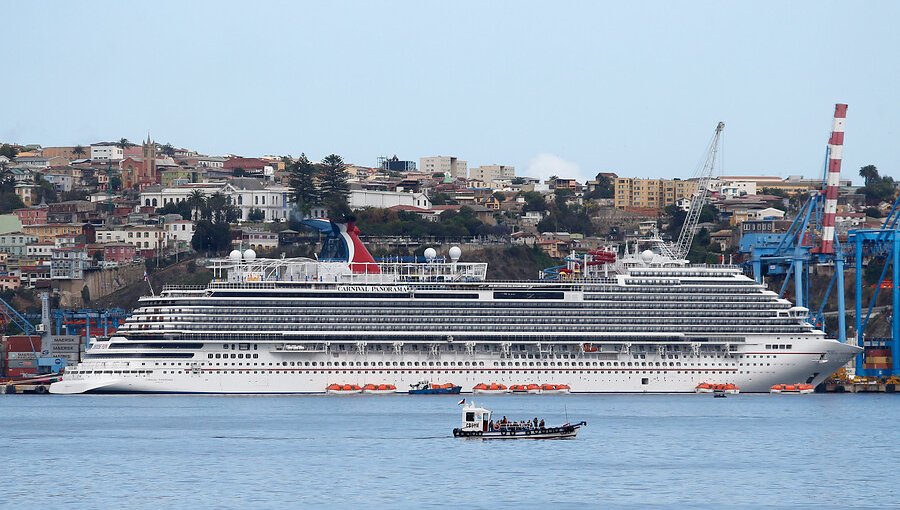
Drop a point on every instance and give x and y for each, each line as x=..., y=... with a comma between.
x=638, y=323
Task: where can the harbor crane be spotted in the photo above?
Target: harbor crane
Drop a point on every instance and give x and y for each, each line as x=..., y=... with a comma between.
x=705, y=172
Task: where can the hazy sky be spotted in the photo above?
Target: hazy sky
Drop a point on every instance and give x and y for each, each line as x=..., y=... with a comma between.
x=550, y=87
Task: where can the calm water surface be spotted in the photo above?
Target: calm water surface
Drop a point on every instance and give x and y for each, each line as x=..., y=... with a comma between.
x=834, y=451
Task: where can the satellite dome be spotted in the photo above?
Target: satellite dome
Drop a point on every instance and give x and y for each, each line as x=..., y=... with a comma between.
x=235, y=255
x=455, y=253
x=249, y=255
x=646, y=256
x=430, y=253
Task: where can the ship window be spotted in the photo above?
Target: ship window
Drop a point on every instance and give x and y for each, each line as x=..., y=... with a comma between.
x=224, y=346
x=210, y=355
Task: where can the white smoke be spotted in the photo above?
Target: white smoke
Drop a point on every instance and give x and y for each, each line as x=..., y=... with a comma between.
x=545, y=165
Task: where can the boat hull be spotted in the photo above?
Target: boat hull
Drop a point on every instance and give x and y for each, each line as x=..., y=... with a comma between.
x=567, y=431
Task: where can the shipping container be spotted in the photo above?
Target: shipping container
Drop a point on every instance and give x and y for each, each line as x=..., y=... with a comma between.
x=19, y=372
x=20, y=355
x=877, y=359
x=23, y=343
x=21, y=363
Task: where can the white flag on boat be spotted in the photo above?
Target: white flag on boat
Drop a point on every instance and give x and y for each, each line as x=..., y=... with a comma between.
x=461, y=402
x=146, y=277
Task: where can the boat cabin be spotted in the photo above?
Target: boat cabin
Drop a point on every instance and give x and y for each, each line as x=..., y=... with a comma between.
x=475, y=419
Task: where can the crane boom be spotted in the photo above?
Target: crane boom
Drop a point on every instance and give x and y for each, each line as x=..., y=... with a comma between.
x=683, y=245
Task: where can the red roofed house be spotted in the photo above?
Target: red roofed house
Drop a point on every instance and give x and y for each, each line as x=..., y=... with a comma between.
x=250, y=167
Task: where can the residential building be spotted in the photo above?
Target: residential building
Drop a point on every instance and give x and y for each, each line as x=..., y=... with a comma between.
x=61, y=181
x=145, y=239
x=257, y=239
x=395, y=164
x=245, y=193
x=106, y=151
x=69, y=263
x=360, y=199
x=450, y=166
x=250, y=167
x=651, y=193
x=39, y=251
x=9, y=282
x=34, y=215
x=120, y=253
x=27, y=193
x=179, y=231
x=493, y=174
x=49, y=231
x=15, y=244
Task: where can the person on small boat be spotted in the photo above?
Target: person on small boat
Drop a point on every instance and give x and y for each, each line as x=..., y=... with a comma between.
x=542, y=423
x=535, y=422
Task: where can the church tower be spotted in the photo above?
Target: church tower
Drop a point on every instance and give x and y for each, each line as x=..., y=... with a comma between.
x=148, y=169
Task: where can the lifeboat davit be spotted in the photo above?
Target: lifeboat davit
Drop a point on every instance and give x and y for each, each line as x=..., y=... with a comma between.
x=555, y=388
x=343, y=389
x=489, y=389
x=792, y=389
x=379, y=389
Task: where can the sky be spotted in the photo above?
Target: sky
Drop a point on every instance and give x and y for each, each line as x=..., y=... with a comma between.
x=567, y=88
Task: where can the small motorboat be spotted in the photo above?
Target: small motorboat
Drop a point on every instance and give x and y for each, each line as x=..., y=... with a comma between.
x=379, y=389
x=792, y=389
x=489, y=389
x=477, y=424
x=343, y=389
x=429, y=388
x=719, y=394
x=549, y=389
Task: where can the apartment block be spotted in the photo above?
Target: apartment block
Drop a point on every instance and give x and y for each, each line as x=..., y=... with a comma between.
x=450, y=166
x=651, y=193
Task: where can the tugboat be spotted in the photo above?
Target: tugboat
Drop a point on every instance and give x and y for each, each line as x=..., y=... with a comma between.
x=478, y=424
x=427, y=388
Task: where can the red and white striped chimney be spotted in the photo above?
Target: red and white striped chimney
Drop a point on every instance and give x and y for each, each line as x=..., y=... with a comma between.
x=833, y=177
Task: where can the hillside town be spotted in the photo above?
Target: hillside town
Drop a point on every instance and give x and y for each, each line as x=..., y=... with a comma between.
x=85, y=220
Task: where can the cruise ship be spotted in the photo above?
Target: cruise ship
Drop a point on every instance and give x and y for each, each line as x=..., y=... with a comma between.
x=639, y=323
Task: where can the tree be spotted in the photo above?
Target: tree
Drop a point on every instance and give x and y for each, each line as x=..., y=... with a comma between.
x=440, y=198
x=873, y=212
x=181, y=208
x=123, y=144
x=115, y=182
x=333, y=188
x=9, y=202
x=197, y=201
x=256, y=214
x=534, y=201
x=301, y=178
x=8, y=150
x=211, y=237
x=869, y=173
x=79, y=150
x=167, y=150
x=603, y=188
x=45, y=192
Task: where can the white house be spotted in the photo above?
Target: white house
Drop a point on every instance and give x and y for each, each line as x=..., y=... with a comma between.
x=360, y=198
x=768, y=212
x=106, y=151
x=245, y=193
x=179, y=231
x=141, y=237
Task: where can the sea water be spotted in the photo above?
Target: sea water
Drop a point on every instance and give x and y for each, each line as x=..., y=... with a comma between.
x=147, y=451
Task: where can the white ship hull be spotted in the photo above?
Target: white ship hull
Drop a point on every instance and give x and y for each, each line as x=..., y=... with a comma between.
x=754, y=370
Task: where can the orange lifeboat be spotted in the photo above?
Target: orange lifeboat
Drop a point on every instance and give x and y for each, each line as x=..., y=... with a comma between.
x=533, y=388
x=518, y=388
x=792, y=389
x=343, y=389
x=489, y=389
x=704, y=388
x=555, y=388
x=589, y=348
x=379, y=389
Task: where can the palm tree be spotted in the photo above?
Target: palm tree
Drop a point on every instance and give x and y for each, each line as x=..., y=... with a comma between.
x=217, y=203
x=196, y=200
x=869, y=173
x=78, y=150
x=123, y=144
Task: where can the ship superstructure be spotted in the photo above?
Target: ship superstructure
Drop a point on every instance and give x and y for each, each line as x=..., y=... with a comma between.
x=299, y=325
